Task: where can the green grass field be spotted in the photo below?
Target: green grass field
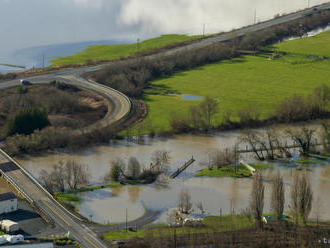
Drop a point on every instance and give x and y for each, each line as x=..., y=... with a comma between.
x=229, y=171
x=254, y=81
x=318, y=45
x=111, y=52
x=211, y=224
x=71, y=195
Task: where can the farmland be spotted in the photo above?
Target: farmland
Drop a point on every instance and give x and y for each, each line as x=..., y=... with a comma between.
x=258, y=82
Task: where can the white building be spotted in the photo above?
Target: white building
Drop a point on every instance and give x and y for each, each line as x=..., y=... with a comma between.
x=36, y=245
x=9, y=226
x=12, y=239
x=8, y=203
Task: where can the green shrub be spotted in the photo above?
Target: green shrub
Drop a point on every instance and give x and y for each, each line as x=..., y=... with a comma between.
x=26, y=121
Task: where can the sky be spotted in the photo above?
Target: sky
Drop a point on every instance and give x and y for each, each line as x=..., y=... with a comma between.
x=27, y=23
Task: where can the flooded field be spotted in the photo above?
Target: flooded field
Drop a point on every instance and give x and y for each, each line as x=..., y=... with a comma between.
x=216, y=194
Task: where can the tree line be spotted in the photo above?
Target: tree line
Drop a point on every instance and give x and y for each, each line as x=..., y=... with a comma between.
x=273, y=145
x=301, y=198
x=293, y=109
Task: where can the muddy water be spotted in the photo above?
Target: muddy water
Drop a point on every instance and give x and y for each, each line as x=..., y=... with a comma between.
x=216, y=194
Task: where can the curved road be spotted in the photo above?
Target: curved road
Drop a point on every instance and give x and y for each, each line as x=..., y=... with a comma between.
x=122, y=106
x=121, y=103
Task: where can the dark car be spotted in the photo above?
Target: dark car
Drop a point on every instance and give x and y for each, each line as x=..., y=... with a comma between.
x=118, y=243
x=25, y=82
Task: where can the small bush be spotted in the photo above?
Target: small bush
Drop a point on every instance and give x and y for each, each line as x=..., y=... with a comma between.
x=26, y=121
x=248, y=116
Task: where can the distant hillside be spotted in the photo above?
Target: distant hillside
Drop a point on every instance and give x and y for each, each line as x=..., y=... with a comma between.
x=105, y=52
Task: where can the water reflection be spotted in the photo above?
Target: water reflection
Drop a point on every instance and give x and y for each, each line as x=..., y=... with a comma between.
x=134, y=193
x=117, y=191
x=216, y=193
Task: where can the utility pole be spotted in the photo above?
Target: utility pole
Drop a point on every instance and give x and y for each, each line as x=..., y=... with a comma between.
x=126, y=221
x=43, y=60
x=175, y=241
x=138, y=44
x=236, y=157
x=255, y=16
x=308, y=3
x=204, y=25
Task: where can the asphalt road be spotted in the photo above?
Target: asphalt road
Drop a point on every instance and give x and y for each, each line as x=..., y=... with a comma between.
x=52, y=209
x=121, y=103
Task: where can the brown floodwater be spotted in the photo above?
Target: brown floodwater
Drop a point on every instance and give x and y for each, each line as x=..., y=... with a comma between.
x=216, y=194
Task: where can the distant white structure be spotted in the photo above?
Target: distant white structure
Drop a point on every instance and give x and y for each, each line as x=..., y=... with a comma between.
x=8, y=203
x=17, y=241
x=250, y=168
x=34, y=245
x=9, y=226
x=193, y=222
x=12, y=239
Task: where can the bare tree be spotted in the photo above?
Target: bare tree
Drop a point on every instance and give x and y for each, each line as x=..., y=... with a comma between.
x=220, y=158
x=208, y=107
x=134, y=167
x=46, y=181
x=160, y=160
x=58, y=177
x=305, y=197
x=196, y=118
x=184, y=203
x=325, y=136
x=278, y=198
x=76, y=174
x=65, y=175
x=295, y=198
x=200, y=206
x=257, y=197
x=302, y=137
x=301, y=197
x=253, y=139
x=268, y=142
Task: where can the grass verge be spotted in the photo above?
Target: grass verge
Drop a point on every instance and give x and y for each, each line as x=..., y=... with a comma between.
x=211, y=224
x=71, y=196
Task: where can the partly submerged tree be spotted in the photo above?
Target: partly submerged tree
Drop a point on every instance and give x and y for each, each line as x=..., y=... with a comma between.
x=257, y=198
x=278, y=197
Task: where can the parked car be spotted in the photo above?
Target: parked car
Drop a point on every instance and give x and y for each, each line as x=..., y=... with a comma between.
x=118, y=243
x=25, y=82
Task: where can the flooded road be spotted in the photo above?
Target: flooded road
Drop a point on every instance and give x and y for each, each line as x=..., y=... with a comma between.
x=216, y=194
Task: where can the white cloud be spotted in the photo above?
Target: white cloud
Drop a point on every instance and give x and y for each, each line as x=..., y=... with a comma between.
x=188, y=16
x=88, y=3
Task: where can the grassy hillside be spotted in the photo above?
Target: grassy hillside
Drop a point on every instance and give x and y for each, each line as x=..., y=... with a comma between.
x=255, y=81
x=318, y=45
x=110, y=52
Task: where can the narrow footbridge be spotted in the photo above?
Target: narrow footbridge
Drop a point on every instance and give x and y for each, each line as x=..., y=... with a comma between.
x=182, y=168
x=29, y=188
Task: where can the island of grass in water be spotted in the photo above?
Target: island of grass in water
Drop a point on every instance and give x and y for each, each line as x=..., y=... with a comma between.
x=231, y=171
